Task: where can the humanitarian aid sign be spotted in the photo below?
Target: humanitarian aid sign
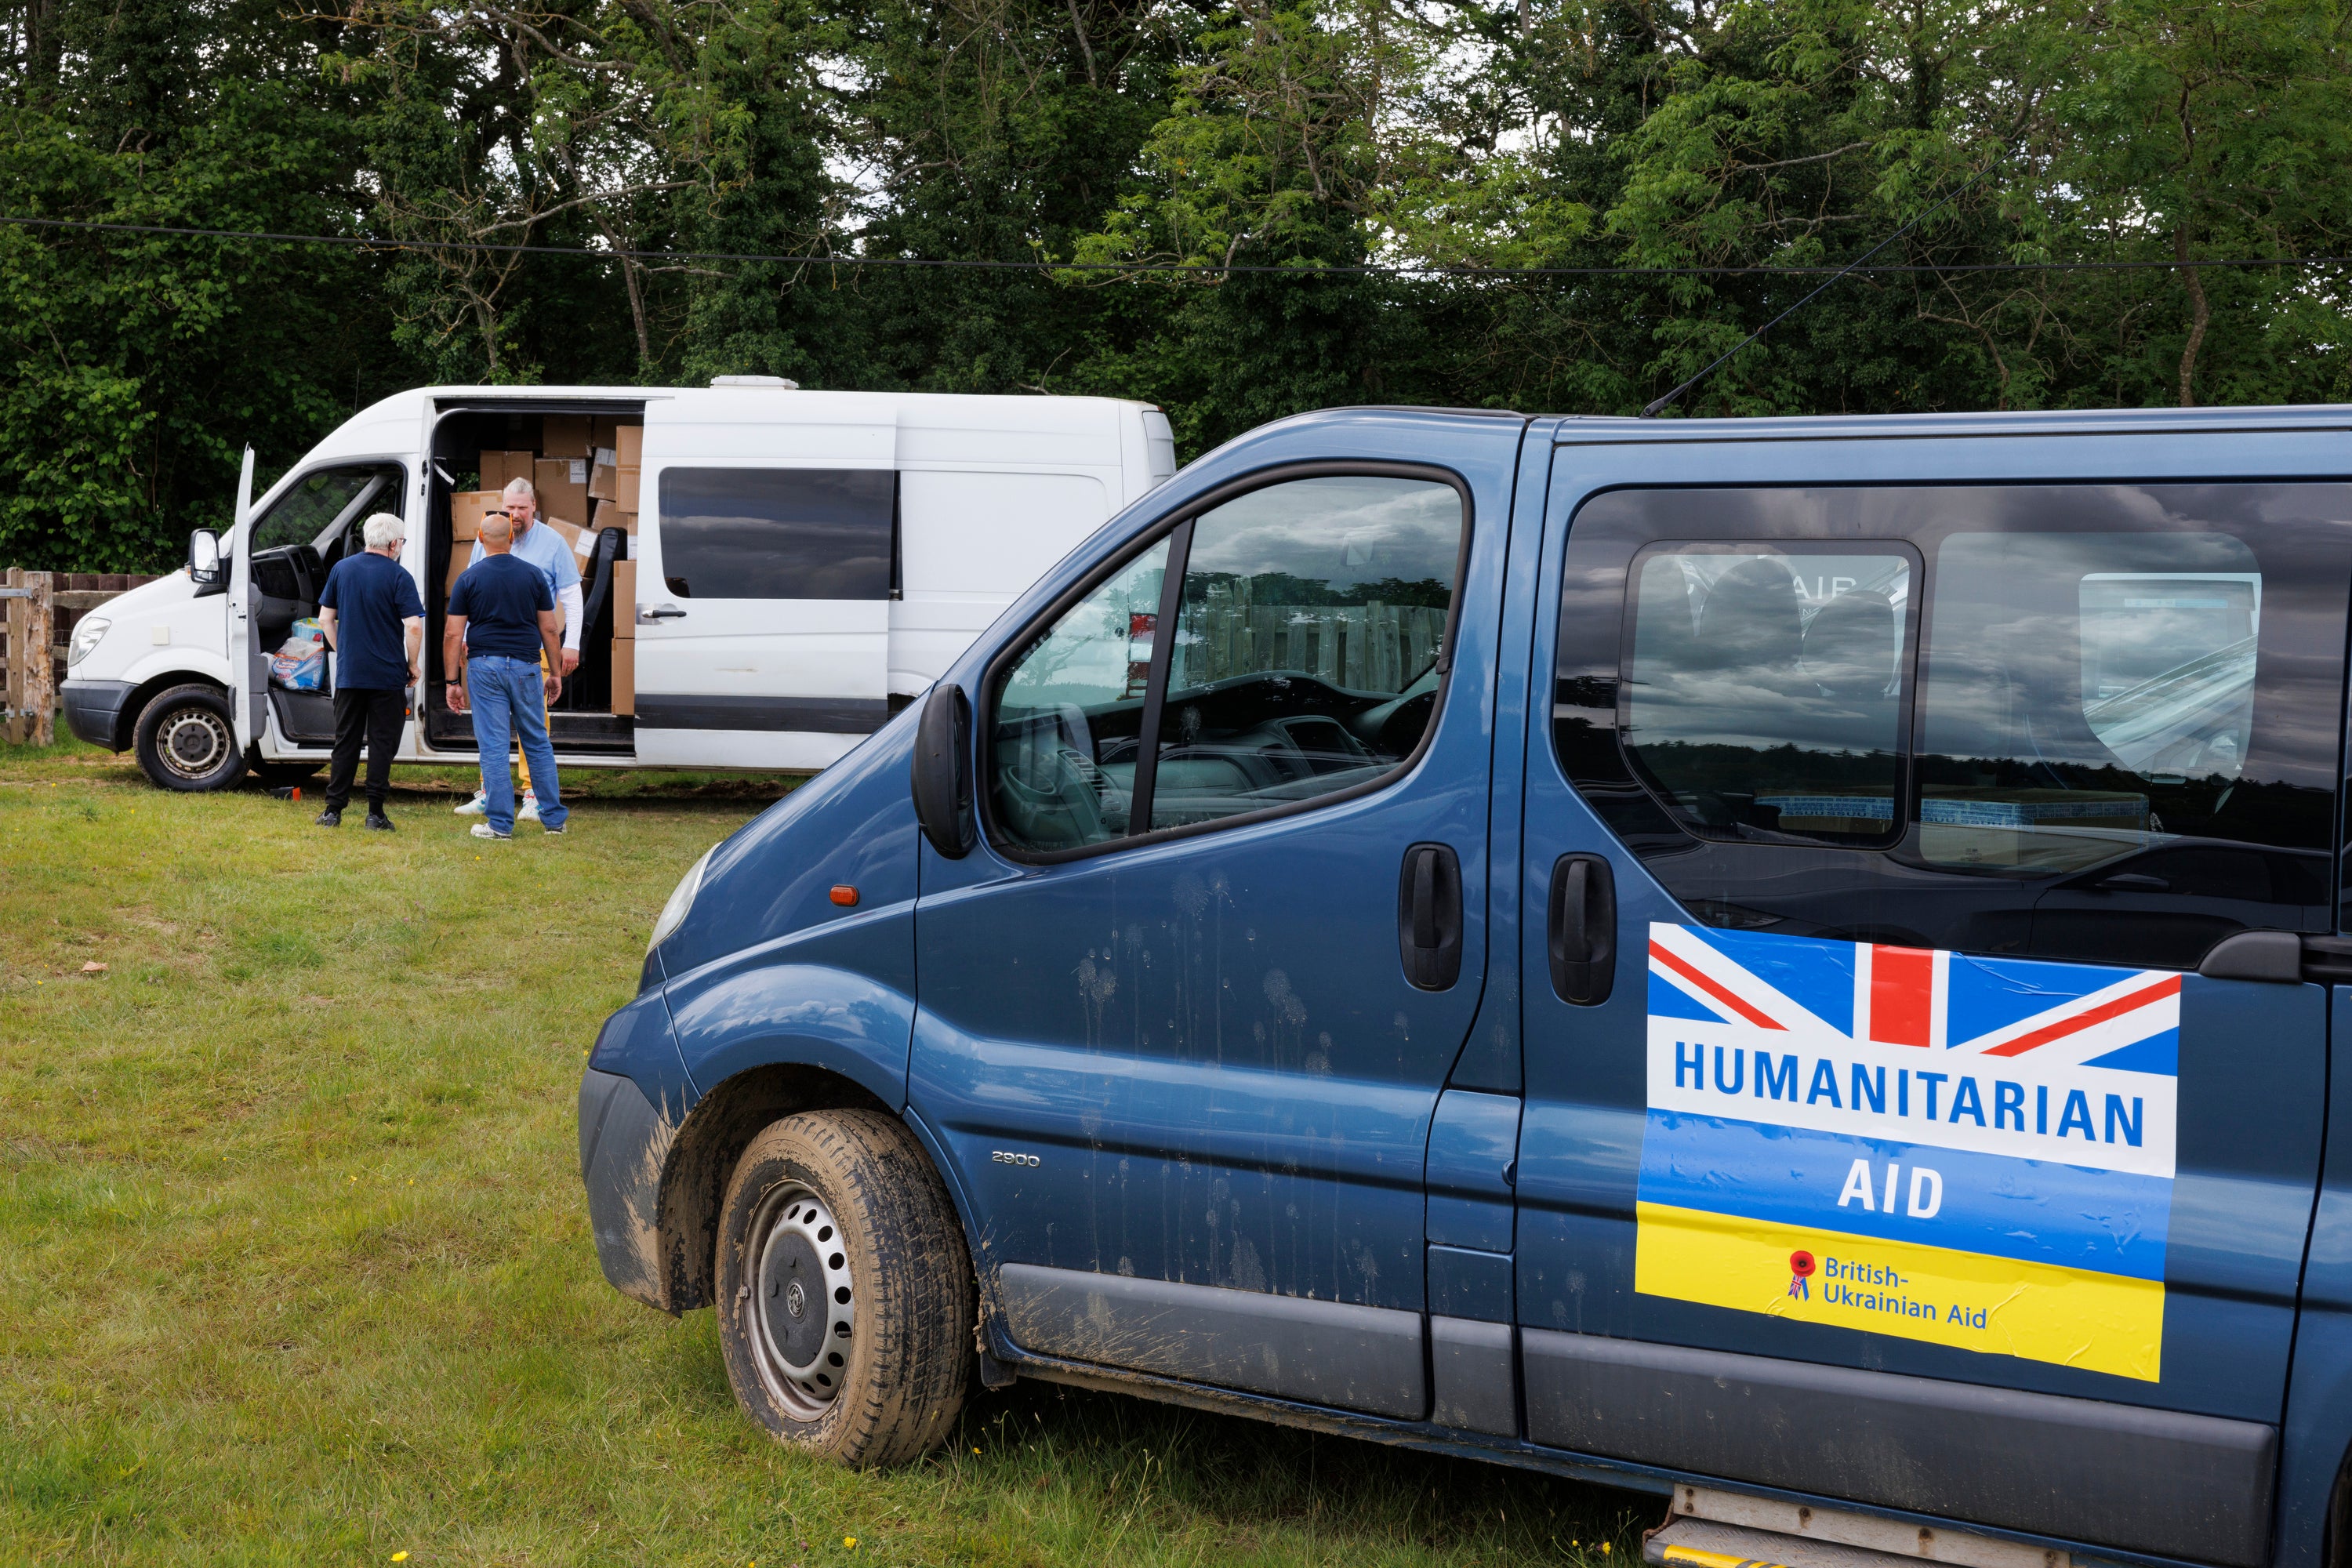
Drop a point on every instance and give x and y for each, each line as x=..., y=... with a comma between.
x=1972, y=1151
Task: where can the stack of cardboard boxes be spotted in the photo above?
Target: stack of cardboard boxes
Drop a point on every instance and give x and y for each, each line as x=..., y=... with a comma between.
x=585, y=466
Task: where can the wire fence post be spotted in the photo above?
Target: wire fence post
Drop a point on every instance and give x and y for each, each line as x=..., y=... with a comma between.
x=19, y=625
x=40, y=657
x=31, y=701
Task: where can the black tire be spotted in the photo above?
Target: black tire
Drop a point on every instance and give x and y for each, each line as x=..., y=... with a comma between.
x=186, y=739
x=846, y=1293
x=275, y=773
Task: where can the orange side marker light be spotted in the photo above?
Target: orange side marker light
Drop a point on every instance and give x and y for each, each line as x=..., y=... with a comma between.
x=844, y=895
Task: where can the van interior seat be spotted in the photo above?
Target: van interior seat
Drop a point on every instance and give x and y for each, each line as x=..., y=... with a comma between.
x=1852, y=643
x=594, y=677
x=1752, y=619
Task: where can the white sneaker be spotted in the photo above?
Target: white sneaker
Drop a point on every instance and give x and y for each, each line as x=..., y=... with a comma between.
x=530, y=811
x=484, y=830
x=478, y=807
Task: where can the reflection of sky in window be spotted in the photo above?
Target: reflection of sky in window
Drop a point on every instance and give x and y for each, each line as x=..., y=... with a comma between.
x=1761, y=651
x=1342, y=530
x=2032, y=630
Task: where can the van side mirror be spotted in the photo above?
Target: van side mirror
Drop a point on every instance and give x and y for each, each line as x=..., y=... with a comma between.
x=205, y=558
x=942, y=772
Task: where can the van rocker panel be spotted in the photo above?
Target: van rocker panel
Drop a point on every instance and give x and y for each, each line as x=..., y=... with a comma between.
x=1322, y=1353
x=2158, y=1482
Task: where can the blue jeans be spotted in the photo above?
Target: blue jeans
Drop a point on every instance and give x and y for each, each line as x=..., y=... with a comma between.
x=505, y=696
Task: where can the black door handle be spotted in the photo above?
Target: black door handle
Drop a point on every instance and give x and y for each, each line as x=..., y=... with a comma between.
x=1429, y=916
x=1582, y=929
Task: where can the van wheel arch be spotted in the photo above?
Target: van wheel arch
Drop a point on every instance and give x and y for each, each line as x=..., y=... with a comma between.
x=126, y=721
x=702, y=1159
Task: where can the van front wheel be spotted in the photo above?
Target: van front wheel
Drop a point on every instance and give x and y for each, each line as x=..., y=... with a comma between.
x=845, y=1294
x=186, y=739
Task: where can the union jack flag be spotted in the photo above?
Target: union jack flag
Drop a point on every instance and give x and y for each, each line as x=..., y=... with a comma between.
x=2056, y=1014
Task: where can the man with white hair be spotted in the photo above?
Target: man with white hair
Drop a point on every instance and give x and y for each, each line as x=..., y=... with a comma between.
x=545, y=548
x=375, y=623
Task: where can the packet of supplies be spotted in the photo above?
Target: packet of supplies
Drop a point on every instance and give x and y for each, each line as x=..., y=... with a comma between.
x=301, y=662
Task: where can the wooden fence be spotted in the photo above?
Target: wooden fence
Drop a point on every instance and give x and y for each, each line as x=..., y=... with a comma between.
x=42, y=609
x=1365, y=648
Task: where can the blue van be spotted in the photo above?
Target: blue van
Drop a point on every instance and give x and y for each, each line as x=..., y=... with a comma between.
x=1785, y=963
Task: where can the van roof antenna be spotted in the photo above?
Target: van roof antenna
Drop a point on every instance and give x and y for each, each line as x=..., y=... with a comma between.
x=1658, y=405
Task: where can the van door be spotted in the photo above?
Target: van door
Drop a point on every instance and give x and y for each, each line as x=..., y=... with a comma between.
x=1897, y=1153
x=764, y=590
x=293, y=542
x=1186, y=1011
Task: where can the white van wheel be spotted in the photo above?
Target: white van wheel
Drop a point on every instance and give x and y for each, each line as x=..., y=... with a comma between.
x=186, y=739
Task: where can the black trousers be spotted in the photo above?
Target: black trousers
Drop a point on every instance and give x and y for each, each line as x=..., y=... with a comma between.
x=372, y=715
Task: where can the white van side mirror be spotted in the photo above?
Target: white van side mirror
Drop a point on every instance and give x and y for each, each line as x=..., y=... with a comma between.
x=205, y=558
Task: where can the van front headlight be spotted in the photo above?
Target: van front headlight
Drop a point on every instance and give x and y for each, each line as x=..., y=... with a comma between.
x=674, y=913
x=86, y=638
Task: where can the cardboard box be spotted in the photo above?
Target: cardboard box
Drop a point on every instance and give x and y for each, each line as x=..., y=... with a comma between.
x=458, y=560
x=604, y=482
x=610, y=515
x=465, y=510
x=625, y=488
x=625, y=676
x=564, y=436
x=629, y=447
x=583, y=542
x=601, y=427
x=624, y=602
x=498, y=466
x=562, y=486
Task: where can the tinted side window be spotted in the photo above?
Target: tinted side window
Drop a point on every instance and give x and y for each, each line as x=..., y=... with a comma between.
x=1766, y=695
x=777, y=534
x=1307, y=648
x=2124, y=743
x=311, y=510
x=2088, y=695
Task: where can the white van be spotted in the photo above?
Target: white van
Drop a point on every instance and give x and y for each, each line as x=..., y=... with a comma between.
x=777, y=572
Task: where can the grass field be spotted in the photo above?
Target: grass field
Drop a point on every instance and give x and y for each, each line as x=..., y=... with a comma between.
x=294, y=1266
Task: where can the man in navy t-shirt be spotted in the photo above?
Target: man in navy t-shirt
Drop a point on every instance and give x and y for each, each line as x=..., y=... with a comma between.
x=501, y=617
x=375, y=623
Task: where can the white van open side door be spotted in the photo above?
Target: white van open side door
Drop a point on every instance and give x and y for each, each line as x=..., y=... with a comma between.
x=245, y=677
x=763, y=578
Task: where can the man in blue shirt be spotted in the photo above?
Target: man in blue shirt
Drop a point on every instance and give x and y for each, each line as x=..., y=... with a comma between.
x=375, y=623
x=544, y=548
x=502, y=622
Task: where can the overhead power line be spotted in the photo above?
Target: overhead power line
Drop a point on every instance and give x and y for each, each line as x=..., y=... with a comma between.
x=1657, y=404
x=1365, y=269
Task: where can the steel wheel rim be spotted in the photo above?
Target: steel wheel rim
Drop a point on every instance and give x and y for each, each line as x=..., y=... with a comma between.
x=192, y=730
x=797, y=1248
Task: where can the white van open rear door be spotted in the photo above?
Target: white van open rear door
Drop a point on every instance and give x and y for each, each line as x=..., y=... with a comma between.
x=764, y=579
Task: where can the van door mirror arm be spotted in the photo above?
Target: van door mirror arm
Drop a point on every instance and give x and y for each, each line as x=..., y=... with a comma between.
x=942, y=771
